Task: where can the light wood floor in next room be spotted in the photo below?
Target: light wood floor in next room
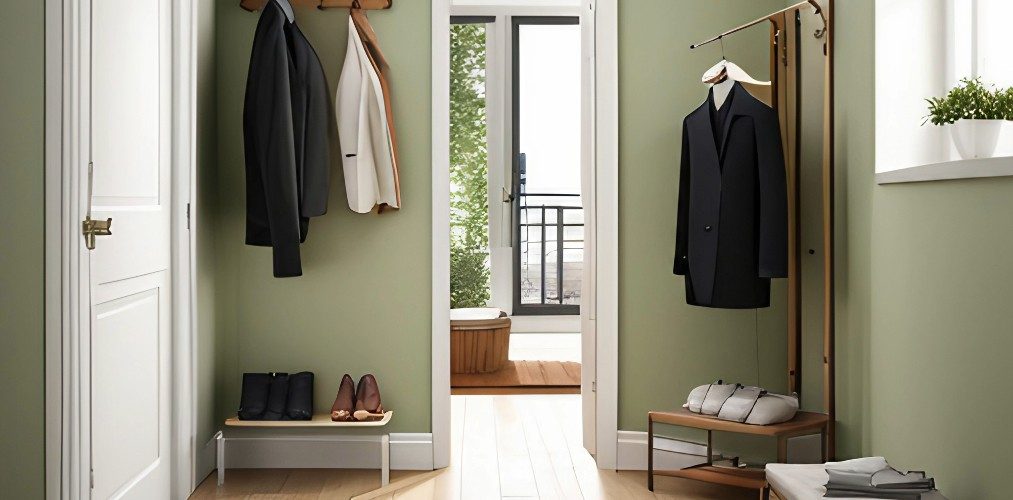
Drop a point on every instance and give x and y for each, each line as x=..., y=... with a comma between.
x=523, y=446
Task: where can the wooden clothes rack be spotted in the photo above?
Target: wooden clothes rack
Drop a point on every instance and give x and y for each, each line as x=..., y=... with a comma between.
x=253, y=5
x=785, y=98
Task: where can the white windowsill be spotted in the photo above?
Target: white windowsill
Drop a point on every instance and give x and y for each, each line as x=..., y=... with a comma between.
x=949, y=170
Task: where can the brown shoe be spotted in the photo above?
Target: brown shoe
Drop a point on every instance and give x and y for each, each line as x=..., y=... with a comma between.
x=367, y=399
x=344, y=403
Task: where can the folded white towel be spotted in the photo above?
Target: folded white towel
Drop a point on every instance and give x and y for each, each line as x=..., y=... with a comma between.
x=865, y=465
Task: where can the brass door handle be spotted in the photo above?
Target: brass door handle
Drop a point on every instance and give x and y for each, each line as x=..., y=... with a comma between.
x=91, y=228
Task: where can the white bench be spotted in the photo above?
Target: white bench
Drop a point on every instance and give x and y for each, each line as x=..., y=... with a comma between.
x=319, y=421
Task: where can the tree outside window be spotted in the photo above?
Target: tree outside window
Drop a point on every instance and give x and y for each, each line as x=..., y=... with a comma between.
x=469, y=169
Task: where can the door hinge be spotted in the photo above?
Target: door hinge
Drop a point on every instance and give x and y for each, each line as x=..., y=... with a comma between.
x=92, y=479
x=188, y=216
x=594, y=386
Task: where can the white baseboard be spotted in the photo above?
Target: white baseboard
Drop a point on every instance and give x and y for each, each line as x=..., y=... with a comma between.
x=408, y=451
x=545, y=324
x=674, y=454
x=411, y=451
x=631, y=453
x=205, y=461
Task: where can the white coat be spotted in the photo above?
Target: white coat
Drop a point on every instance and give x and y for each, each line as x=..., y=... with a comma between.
x=364, y=137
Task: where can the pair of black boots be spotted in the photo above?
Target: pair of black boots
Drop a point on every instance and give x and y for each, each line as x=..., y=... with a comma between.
x=276, y=396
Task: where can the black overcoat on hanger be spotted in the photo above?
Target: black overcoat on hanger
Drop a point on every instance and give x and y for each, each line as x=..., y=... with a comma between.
x=285, y=133
x=732, y=224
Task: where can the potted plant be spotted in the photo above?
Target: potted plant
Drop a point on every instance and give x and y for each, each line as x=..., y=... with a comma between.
x=974, y=115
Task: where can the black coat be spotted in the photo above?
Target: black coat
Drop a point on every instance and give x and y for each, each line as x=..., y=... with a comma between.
x=732, y=227
x=286, y=138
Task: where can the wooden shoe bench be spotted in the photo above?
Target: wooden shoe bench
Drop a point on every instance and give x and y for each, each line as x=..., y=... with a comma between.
x=804, y=424
x=319, y=421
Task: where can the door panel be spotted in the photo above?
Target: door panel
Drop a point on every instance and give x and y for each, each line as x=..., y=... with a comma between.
x=139, y=243
x=130, y=274
x=125, y=99
x=124, y=341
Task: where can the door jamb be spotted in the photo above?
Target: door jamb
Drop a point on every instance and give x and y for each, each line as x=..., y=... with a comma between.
x=441, y=233
x=604, y=311
x=184, y=250
x=66, y=294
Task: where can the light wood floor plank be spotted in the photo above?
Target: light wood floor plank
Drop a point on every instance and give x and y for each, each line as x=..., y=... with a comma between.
x=242, y=482
x=555, y=444
x=448, y=484
x=516, y=476
x=541, y=462
x=479, y=464
x=305, y=483
x=350, y=483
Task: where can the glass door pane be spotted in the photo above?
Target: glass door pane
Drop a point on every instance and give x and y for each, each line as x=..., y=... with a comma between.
x=547, y=141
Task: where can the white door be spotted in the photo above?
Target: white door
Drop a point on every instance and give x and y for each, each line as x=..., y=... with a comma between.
x=129, y=405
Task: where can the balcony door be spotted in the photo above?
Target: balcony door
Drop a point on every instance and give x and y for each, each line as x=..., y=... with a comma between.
x=548, y=214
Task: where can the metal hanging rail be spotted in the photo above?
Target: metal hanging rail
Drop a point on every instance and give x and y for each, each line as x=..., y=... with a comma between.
x=254, y=5
x=813, y=3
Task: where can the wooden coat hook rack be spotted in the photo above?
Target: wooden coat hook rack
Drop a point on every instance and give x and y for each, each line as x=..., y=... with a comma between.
x=254, y=5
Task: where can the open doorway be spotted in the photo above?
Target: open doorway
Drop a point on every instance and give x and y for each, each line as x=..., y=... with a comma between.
x=516, y=205
x=596, y=325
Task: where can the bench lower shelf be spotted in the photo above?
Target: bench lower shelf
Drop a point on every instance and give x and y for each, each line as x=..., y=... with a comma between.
x=743, y=478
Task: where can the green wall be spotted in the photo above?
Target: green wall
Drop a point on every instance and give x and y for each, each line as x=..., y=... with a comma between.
x=924, y=326
x=667, y=347
x=22, y=205
x=855, y=164
x=363, y=303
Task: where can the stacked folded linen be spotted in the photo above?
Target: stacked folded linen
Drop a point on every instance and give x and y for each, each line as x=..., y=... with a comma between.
x=872, y=477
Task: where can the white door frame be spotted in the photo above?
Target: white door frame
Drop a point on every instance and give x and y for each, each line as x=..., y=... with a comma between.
x=600, y=318
x=67, y=317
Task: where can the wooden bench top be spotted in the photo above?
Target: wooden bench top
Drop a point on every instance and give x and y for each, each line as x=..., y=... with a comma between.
x=804, y=422
x=318, y=420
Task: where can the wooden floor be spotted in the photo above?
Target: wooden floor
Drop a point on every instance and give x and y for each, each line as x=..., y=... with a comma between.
x=521, y=377
x=502, y=447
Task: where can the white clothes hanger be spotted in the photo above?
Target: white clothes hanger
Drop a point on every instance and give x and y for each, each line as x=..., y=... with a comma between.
x=287, y=8
x=732, y=71
x=723, y=75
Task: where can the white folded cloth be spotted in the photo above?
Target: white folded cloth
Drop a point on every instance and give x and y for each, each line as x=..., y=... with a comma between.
x=864, y=465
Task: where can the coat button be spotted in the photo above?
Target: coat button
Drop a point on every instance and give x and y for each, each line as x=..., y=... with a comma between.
x=707, y=228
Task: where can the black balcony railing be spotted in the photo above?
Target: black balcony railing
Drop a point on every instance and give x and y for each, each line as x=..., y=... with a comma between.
x=550, y=229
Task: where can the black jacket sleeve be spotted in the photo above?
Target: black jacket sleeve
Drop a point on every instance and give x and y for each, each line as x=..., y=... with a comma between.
x=681, y=266
x=773, y=244
x=271, y=176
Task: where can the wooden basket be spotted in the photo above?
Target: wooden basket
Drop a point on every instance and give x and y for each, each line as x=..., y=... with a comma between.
x=479, y=346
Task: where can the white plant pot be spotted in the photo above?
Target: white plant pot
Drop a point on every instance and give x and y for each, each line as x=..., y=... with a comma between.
x=976, y=138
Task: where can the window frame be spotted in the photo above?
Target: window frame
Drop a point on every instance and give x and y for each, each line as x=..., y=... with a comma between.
x=519, y=308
